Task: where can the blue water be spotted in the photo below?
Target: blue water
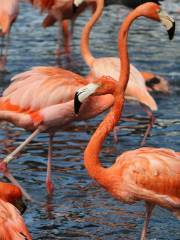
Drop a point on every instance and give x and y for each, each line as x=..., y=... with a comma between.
x=80, y=209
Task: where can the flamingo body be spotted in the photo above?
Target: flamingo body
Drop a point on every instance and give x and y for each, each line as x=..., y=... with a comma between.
x=12, y=225
x=150, y=174
x=136, y=88
x=44, y=96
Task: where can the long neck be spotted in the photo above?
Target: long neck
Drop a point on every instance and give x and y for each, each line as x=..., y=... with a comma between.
x=84, y=45
x=91, y=155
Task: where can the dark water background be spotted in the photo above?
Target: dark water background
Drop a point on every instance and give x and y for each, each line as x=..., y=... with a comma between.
x=80, y=209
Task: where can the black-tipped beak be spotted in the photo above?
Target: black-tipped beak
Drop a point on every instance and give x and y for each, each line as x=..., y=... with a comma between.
x=171, y=31
x=74, y=8
x=20, y=205
x=77, y=103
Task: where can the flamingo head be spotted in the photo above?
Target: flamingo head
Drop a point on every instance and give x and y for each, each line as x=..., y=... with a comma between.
x=12, y=194
x=101, y=86
x=153, y=11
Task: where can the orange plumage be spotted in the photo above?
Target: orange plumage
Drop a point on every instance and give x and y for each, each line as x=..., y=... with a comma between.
x=12, y=225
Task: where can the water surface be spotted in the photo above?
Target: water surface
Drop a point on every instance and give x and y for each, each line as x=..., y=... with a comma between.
x=80, y=209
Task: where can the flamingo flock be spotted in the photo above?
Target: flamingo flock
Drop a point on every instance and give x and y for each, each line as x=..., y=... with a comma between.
x=49, y=98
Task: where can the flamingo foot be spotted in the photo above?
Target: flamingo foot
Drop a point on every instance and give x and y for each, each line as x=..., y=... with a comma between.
x=49, y=187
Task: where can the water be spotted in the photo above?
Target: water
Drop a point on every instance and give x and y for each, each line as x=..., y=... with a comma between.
x=80, y=209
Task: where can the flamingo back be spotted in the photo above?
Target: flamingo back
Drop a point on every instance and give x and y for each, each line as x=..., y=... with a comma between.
x=12, y=226
x=136, y=88
x=151, y=174
x=39, y=88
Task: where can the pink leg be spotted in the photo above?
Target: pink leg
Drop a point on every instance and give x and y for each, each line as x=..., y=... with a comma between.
x=3, y=55
x=49, y=183
x=7, y=159
x=149, y=208
x=150, y=125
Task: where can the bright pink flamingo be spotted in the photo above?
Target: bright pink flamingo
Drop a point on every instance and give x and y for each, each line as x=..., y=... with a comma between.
x=9, y=10
x=12, y=225
x=109, y=66
x=42, y=100
x=148, y=174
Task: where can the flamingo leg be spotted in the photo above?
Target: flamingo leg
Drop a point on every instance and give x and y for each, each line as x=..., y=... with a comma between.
x=59, y=51
x=6, y=160
x=67, y=35
x=8, y=175
x=49, y=183
x=149, y=208
x=150, y=125
x=3, y=55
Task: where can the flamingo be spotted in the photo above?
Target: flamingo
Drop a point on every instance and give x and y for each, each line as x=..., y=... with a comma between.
x=109, y=66
x=9, y=10
x=148, y=173
x=62, y=11
x=41, y=100
x=12, y=225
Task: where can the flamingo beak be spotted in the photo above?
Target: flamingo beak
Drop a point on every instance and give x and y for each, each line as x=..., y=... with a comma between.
x=82, y=94
x=76, y=4
x=168, y=22
x=20, y=205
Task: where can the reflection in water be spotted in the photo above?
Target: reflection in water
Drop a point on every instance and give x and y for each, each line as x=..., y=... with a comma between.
x=79, y=208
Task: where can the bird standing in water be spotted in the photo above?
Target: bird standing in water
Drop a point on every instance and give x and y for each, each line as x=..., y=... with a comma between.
x=148, y=174
x=41, y=100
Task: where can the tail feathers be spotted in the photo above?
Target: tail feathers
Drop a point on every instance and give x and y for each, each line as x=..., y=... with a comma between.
x=148, y=100
x=142, y=96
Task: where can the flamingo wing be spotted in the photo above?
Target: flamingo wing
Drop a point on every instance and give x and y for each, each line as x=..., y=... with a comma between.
x=41, y=87
x=152, y=174
x=136, y=88
x=12, y=225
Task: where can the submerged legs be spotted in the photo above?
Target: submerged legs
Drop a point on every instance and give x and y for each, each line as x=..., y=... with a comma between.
x=49, y=183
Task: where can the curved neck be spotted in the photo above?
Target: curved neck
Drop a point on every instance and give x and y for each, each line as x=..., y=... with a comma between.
x=84, y=45
x=91, y=155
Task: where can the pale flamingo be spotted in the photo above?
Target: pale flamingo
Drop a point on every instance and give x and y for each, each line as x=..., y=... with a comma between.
x=62, y=11
x=109, y=66
x=9, y=10
x=42, y=100
x=148, y=174
x=12, y=225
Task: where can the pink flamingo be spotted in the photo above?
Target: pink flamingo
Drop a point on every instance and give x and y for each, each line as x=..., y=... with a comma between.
x=148, y=174
x=41, y=100
x=12, y=225
x=9, y=10
x=109, y=66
